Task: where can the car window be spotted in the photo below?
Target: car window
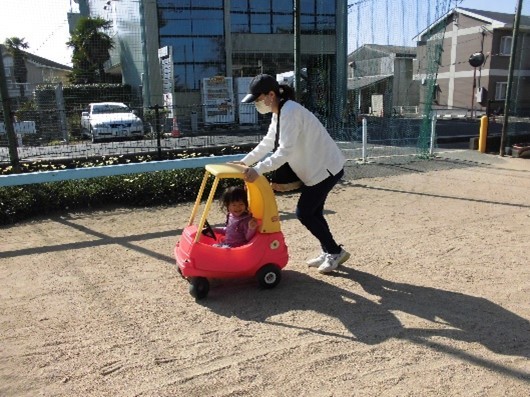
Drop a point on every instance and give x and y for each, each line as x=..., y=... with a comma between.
x=110, y=109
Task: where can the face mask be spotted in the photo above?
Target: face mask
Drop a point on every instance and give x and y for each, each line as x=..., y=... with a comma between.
x=263, y=108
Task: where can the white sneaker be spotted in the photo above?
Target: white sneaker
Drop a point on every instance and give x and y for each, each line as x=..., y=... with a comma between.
x=333, y=261
x=316, y=262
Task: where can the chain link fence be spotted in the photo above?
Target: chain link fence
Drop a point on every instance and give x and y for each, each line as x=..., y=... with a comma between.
x=180, y=67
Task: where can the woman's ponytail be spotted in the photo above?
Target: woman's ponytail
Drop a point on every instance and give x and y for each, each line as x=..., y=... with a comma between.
x=287, y=93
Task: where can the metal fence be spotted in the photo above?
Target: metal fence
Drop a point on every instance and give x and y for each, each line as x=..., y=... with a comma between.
x=396, y=92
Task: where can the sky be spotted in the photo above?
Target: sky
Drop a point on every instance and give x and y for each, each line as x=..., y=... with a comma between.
x=407, y=18
x=44, y=25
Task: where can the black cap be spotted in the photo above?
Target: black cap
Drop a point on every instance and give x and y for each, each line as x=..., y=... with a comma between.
x=261, y=84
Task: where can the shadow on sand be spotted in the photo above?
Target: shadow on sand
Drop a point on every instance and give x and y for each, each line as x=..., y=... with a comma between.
x=453, y=315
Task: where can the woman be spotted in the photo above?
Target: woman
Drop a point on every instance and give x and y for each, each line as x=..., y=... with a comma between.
x=316, y=159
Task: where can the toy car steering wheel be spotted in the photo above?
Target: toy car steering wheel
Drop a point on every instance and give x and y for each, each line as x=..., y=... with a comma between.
x=208, y=230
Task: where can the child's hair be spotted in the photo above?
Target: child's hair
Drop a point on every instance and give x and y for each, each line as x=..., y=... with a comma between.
x=233, y=193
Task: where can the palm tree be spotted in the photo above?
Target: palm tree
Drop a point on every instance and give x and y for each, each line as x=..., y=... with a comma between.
x=91, y=49
x=15, y=47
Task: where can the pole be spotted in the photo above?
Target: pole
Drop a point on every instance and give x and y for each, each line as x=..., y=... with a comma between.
x=510, y=77
x=297, y=53
x=364, y=139
x=8, y=120
x=156, y=108
x=433, y=133
x=483, y=135
x=473, y=93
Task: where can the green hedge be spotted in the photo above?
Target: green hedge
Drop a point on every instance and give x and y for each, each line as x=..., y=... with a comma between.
x=19, y=203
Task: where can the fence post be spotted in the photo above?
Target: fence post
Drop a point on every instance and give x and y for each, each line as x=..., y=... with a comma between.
x=365, y=138
x=433, y=134
x=61, y=111
x=8, y=120
x=157, y=124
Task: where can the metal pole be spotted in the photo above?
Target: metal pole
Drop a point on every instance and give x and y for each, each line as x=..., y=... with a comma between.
x=156, y=108
x=433, y=134
x=364, y=138
x=473, y=93
x=510, y=76
x=297, y=53
x=8, y=120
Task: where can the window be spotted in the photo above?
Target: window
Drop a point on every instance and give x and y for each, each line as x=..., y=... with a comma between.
x=500, y=91
x=260, y=23
x=260, y=6
x=282, y=23
x=506, y=45
x=240, y=23
x=276, y=16
x=239, y=5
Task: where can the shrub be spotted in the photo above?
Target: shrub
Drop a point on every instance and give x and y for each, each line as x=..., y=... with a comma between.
x=18, y=203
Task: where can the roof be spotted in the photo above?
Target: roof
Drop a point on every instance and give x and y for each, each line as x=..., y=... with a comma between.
x=496, y=19
x=362, y=82
x=40, y=61
x=507, y=19
x=399, y=51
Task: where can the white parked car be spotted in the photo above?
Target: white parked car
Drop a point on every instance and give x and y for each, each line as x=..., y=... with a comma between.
x=110, y=121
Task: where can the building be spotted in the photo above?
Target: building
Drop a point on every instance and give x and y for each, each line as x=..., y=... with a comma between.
x=380, y=80
x=40, y=70
x=230, y=38
x=464, y=36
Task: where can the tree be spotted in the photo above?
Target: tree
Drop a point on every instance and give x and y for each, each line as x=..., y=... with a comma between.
x=91, y=48
x=15, y=47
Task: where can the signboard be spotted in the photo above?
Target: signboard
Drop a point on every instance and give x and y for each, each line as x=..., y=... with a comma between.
x=165, y=56
x=218, y=100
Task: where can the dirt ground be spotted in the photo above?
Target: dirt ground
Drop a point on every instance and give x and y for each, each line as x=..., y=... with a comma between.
x=433, y=302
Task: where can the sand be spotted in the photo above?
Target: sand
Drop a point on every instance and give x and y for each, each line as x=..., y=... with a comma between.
x=435, y=300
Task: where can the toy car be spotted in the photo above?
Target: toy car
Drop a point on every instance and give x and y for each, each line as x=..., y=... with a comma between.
x=263, y=257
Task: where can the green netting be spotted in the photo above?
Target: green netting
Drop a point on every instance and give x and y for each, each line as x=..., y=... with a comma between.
x=182, y=66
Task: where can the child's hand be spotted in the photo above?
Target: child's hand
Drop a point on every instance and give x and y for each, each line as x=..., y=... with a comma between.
x=253, y=223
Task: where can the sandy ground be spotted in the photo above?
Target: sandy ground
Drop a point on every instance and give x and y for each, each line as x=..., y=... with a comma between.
x=435, y=300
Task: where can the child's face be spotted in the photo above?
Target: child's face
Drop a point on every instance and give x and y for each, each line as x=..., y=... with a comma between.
x=237, y=208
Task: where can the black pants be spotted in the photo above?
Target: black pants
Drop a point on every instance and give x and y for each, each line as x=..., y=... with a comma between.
x=310, y=211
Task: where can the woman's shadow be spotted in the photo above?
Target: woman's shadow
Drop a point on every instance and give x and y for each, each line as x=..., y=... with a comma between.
x=453, y=315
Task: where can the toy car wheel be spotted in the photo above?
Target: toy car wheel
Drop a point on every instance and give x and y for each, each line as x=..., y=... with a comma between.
x=199, y=287
x=269, y=276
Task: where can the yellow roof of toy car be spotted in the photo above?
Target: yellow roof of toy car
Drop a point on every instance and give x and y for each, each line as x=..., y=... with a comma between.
x=261, y=199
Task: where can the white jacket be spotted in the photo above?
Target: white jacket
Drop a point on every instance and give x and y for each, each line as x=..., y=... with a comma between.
x=304, y=143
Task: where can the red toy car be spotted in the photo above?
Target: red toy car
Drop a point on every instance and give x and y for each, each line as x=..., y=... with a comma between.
x=263, y=257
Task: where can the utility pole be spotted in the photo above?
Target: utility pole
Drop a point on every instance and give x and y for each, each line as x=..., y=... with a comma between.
x=510, y=76
x=297, y=53
x=8, y=120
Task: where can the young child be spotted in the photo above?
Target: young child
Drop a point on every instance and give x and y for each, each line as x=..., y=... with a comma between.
x=240, y=225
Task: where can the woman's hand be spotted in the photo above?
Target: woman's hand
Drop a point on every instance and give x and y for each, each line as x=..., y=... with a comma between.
x=250, y=174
